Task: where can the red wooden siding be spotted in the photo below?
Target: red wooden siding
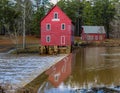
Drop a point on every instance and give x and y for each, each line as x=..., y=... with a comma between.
x=93, y=33
x=56, y=31
x=93, y=37
x=60, y=71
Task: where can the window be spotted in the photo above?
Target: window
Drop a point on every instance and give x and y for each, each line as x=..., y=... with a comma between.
x=56, y=77
x=55, y=15
x=48, y=38
x=62, y=26
x=96, y=37
x=64, y=67
x=91, y=37
x=88, y=37
x=100, y=37
x=48, y=26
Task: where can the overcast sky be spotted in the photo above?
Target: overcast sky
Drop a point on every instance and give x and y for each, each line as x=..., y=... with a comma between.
x=54, y=1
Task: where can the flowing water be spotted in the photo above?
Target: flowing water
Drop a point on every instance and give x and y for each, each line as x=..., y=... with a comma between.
x=85, y=68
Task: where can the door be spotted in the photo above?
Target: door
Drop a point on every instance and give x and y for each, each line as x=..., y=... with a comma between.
x=62, y=40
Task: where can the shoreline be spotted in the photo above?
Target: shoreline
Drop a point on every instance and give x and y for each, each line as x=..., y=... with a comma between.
x=105, y=43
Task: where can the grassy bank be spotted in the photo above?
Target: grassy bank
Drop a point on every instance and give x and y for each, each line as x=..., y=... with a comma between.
x=105, y=43
x=32, y=44
x=30, y=49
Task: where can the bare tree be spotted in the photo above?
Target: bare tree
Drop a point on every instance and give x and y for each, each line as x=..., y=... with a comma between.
x=15, y=33
x=25, y=8
x=115, y=24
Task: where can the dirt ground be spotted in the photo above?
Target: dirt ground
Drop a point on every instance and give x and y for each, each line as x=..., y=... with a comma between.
x=7, y=43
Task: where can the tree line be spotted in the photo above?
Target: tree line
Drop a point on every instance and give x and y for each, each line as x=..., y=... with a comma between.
x=18, y=16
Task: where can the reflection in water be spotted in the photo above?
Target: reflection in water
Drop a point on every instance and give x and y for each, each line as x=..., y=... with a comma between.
x=59, y=72
x=56, y=75
x=85, y=68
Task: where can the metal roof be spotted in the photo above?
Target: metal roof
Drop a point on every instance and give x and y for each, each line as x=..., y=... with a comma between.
x=94, y=29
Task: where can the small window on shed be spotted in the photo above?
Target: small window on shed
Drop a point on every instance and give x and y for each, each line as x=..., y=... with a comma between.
x=100, y=37
x=62, y=26
x=55, y=15
x=96, y=37
x=48, y=26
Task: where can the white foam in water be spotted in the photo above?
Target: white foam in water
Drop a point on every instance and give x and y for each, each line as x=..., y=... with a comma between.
x=19, y=70
x=113, y=54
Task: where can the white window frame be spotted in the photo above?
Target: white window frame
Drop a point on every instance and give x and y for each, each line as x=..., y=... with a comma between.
x=96, y=37
x=56, y=77
x=100, y=37
x=47, y=26
x=48, y=36
x=55, y=15
x=62, y=26
x=64, y=67
x=88, y=37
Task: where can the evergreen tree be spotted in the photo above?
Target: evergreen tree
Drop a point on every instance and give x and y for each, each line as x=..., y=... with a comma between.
x=104, y=11
x=7, y=14
x=115, y=24
x=73, y=9
x=42, y=7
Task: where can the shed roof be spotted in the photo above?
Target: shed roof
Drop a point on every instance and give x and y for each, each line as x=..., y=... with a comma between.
x=94, y=29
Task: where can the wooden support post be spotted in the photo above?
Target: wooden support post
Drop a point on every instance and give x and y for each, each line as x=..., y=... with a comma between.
x=68, y=49
x=50, y=50
x=55, y=49
x=41, y=49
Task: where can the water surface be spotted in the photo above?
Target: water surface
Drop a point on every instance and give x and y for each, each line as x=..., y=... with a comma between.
x=85, y=68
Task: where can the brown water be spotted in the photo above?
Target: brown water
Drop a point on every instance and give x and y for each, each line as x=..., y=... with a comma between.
x=85, y=68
